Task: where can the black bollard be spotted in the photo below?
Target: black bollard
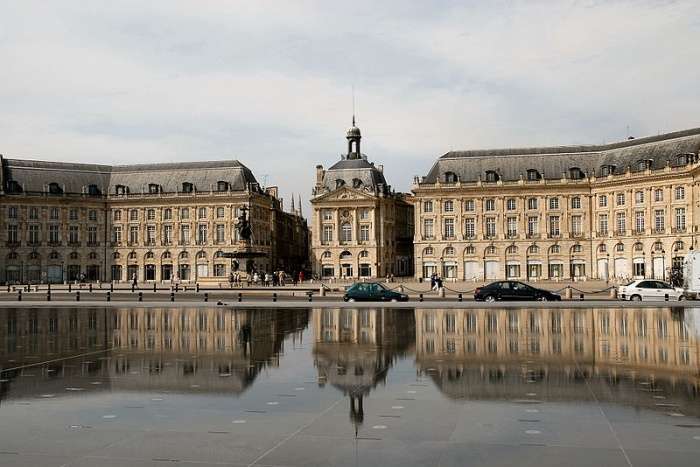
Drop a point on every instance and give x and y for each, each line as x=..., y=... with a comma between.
x=109, y=296
x=8, y=288
x=172, y=296
x=19, y=295
x=420, y=297
x=580, y=297
x=48, y=296
x=77, y=296
x=240, y=297
x=140, y=296
x=206, y=296
x=459, y=297
x=197, y=285
x=310, y=294
x=274, y=297
x=177, y=287
x=70, y=288
x=111, y=286
x=90, y=287
x=154, y=286
x=132, y=288
x=49, y=287
x=666, y=297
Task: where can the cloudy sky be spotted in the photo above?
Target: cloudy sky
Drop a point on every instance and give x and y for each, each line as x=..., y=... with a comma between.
x=270, y=83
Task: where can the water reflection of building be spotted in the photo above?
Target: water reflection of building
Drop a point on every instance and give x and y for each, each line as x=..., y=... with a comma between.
x=144, y=348
x=355, y=348
x=495, y=353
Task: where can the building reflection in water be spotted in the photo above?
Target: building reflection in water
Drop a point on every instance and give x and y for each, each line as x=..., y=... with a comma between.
x=568, y=353
x=355, y=348
x=144, y=348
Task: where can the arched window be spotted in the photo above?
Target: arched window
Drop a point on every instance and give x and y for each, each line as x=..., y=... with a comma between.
x=533, y=175
x=449, y=251
x=490, y=250
x=345, y=255
x=149, y=255
x=492, y=176
x=428, y=251
x=638, y=246
x=346, y=232
x=339, y=183
x=166, y=255
x=55, y=189
x=221, y=186
x=533, y=250
x=327, y=255
x=12, y=256
x=576, y=173
x=132, y=255
x=470, y=250
x=450, y=177
x=116, y=255
x=364, y=254
x=657, y=247
x=620, y=247
x=554, y=250
x=33, y=255
x=357, y=183
x=602, y=248
x=678, y=246
x=219, y=254
x=54, y=255
x=201, y=255
x=682, y=159
x=184, y=255
x=74, y=255
x=187, y=187
x=576, y=249
x=512, y=250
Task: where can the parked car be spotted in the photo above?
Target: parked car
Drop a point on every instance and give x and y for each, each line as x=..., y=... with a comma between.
x=647, y=289
x=372, y=292
x=513, y=290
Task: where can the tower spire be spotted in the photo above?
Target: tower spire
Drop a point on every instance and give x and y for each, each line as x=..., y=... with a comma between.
x=300, y=212
x=292, y=202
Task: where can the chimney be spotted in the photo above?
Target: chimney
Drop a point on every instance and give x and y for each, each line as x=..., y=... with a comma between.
x=319, y=175
x=380, y=167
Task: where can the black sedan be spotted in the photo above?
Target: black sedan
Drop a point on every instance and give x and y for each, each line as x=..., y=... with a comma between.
x=513, y=290
x=372, y=292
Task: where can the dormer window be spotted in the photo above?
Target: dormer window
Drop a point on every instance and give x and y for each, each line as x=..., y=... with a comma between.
x=187, y=187
x=491, y=176
x=576, y=174
x=339, y=183
x=13, y=187
x=55, y=189
x=683, y=159
x=607, y=170
x=93, y=190
x=450, y=177
x=221, y=186
x=533, y=175
x=644, y=164
x=121, y=189
x=153, y=188
x=357, y=183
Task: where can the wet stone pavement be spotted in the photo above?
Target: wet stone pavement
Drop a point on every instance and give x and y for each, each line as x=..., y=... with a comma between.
x=352, y=387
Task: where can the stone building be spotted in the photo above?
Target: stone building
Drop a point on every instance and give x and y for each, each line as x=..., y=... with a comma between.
x=158, y=222
x=361, y=228
x=622, y=210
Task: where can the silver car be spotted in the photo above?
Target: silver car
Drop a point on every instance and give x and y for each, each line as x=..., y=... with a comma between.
x=648, y=289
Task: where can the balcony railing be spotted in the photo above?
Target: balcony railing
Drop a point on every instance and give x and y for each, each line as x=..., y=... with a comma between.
x=638, y=232
x=93, y=244
x=74, y=243
x=12, y=243
x=554, y=235
x=511, y=234
x=678, y=230
x=659, y=231
x=55, y=243
x=532, y=235
x=620, y=233
x=575, y=234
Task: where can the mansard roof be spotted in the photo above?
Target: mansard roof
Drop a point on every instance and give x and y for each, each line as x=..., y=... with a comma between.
x=35, y=176
x=553, y=161
x=351, y=170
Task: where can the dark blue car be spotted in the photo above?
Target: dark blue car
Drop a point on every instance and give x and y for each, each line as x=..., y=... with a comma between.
x=372, y=292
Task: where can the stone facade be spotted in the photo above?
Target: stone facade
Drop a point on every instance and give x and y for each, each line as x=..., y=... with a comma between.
x=361, y=228
x=624, y=210
x=158, y=222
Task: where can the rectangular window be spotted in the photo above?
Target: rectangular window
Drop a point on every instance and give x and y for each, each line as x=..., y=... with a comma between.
x=554, y=230
x=553, y=203
x=659, y=220
x=327, y=215
x=73, y=214
x=639, y=222
x=151, y=214
x=73, y=234
x=620, y=199
x=680, y=219
x=510, y=204
x=449, y=206
x=620, y=222
x=532, y=225
x=134, y=215
x=117, y=215
x=576, y=202
x=428, y=228
x=34, y=234
x=12, y=212
x=469, y=205
x=184, y=213
x=201, y=234
x=602, y=201
x=167, y=234
x=184, y=235
x=449, y=231
x=679, y=193
x=327, y=234
x=532, y=203
x=202, y=213
x=364, y=233
x=133, y=234
x=490, y=227
x=13, y=233
x=150, y=235
x=364, y=214
x=658, y=194
x=512, y=226
x=603, y=224
x=53, y=234
x=54, y=214
x=220, y=212
x=428, y=206
x=638, y=197
x=92, y=235
x=167, y=214
x=490, y=205
x=346, y=233
x=576, y=225
x=34, y=213
x=220, y=233
x=219, y=270
x=470, y=228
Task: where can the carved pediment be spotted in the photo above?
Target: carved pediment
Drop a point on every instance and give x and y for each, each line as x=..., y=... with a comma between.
x=344, y=194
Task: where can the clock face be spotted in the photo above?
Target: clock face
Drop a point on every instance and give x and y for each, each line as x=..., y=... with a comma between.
x=346, y=213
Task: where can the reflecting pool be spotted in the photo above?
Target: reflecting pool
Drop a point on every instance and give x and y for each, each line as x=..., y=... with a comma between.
x=213, y=386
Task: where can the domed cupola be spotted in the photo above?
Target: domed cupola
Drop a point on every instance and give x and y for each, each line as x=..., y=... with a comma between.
x=354, y=136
